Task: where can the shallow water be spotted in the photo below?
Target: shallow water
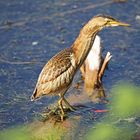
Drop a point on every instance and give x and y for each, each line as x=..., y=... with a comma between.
x=31, y=32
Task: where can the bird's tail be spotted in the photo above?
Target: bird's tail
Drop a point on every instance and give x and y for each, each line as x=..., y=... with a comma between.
x=33, y=97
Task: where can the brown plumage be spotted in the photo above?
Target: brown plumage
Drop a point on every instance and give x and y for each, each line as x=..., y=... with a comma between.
x=93, y=69
x=57, y=75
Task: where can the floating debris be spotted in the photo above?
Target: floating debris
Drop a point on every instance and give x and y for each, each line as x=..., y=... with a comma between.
x=35, y=43
x=137, y=17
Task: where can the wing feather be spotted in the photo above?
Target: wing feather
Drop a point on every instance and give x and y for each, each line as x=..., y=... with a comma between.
x=57, y=74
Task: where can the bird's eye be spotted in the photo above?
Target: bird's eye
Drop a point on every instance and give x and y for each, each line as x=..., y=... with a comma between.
x=107, y=22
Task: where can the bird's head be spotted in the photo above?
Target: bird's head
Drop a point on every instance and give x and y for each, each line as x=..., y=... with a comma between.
x=101, y=21
x=106, y=21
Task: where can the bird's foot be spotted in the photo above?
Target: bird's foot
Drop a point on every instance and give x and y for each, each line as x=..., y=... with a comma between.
x=63, y=117
x=71, y=108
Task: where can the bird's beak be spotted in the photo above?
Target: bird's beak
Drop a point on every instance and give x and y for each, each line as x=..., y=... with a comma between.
x=118, y=23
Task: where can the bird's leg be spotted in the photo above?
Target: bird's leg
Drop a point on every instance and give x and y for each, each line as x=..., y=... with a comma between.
x=61, y=107
x=68, y=105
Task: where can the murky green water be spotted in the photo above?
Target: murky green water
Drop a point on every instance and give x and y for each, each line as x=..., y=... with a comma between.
x=31, y=32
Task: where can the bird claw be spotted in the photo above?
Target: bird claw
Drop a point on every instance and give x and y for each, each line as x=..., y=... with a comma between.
x=72, y=108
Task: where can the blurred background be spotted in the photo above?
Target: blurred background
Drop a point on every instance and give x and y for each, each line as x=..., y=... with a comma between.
x=32, y=31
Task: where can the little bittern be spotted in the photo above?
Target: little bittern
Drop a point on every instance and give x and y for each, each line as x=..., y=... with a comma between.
x=57, y=75
x=94, y=66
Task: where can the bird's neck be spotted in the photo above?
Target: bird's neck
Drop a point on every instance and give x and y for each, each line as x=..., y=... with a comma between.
x=83, y=44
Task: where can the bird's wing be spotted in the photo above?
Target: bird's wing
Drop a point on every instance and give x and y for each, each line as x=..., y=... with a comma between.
x=57, y=65
x=58, y=72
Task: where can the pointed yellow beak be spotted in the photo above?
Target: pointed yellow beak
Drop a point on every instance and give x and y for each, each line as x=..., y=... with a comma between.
x=118, y=23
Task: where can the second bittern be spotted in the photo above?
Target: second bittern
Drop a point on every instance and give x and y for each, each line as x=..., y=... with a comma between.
x=57, y=75
x=94, y=67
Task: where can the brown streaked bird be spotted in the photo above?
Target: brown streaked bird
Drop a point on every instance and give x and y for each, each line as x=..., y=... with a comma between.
x=94, y=66
x=57, y=75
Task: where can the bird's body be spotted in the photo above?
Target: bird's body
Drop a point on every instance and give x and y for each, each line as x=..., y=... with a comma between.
x=58, y=73
x=94, y=66
x=91, y=66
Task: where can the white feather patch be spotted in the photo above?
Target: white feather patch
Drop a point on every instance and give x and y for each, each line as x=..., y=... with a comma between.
x=94, y=56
